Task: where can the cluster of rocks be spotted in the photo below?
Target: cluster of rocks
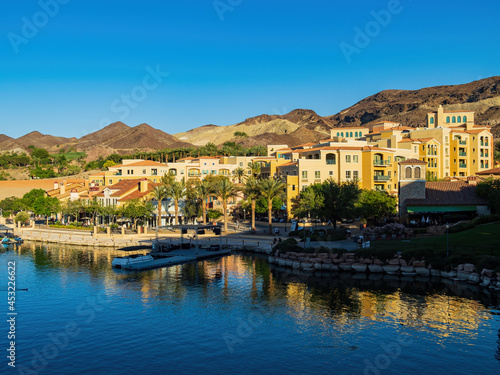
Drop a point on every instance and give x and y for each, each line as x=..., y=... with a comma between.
x=397, y=266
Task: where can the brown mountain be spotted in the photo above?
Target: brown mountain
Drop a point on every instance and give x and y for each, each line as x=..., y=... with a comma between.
x=410, y=107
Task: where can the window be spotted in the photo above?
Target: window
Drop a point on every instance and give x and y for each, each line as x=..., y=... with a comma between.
x=293, y=187
x=389, y=187
x=241, y=164
x=111, y=182
x=417, y=172
x=317, y=174
x=351, y=134
x=341, y=134
x=355, y=175
x=330, y=173
x=464, y=119
x=415, y=149
x=446, y=151
x=432, y=120
x=348, y=175
x=389, y=159
x=389, y=173
x=447, y=119
x=143, y=171
x=338, y=134
x=459, y=118
x=408, y=172
x=304, y=174
x=446, y=139
x=348, y=158
x=453, y=120
x=355, y=158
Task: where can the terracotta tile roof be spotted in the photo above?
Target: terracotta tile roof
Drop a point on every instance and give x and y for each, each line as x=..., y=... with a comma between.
x=493, y=171
x=287, y=164
x=412, y=161
x=144, y=163
x=400, y=127
x=452, y=193
x=124, y=186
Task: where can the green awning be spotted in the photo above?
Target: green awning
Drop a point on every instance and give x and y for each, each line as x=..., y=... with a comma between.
x=439, y=209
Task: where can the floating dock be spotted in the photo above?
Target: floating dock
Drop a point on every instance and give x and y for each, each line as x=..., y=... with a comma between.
x=176, y=257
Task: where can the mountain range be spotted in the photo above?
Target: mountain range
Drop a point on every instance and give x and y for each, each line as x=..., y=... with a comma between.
x=409, y=107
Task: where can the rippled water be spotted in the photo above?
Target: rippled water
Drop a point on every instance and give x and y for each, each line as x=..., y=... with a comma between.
x=238, y=315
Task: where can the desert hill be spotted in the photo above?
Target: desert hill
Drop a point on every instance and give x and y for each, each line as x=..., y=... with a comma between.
x=409, y=107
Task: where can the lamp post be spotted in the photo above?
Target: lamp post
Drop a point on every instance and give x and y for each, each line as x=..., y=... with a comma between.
x=304, y=222
x=447, y=242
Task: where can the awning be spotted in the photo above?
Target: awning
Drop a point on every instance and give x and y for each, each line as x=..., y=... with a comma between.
x=439, y=209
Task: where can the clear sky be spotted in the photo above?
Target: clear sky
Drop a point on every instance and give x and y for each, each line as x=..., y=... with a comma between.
x=70, y=67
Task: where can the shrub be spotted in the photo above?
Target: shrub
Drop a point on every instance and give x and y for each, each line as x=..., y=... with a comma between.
x=420, y=230
x=287, y=245
x=22, y=216
x=381, y=254
x=464, y=225
x=488, y=262
x=486, y=219
x=293, y=233
x=417, y=254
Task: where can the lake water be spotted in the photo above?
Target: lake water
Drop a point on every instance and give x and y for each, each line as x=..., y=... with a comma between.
x=236, y=315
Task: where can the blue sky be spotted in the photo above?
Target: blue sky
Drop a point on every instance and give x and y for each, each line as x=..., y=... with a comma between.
x=71, y=68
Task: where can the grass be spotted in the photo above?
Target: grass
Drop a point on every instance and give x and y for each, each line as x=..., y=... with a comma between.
x=480, y=240
x=71, y=155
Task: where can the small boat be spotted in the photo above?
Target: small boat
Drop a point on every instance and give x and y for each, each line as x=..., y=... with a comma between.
x=6, y=240
x=120, y=262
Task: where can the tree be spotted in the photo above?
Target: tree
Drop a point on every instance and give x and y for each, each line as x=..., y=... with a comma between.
x=22, y=216
x=46, y=206
x=72, y=208
x=137, y=209
x=376, y=205
x=271, y=189
x=204, y=190
x=309, y=201
x=108, y=163
x=159, y=193
x=30, y=197
x=490, y=189
x=255, y=168
x=239, y=173
x=192, y=203
x=340, y=199
x=177, y=191
x=251, y=189
x=225, y=189
x=93, y=208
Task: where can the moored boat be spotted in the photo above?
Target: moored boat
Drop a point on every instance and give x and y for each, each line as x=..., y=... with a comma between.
x=120, y=262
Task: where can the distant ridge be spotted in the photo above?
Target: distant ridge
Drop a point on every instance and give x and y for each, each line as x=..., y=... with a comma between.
x=409, y=107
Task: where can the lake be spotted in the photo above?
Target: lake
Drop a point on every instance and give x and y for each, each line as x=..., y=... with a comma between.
x=238, y=315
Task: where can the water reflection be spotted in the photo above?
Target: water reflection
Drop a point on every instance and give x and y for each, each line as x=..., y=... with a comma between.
x=337, y=302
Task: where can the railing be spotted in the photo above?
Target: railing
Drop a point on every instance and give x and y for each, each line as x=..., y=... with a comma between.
x=117, y=174
x=379, y=163
x=194, y=174
x=378, y=177
x=462, y=165
x=462, y=142
x=461, y=153
x=330, y=162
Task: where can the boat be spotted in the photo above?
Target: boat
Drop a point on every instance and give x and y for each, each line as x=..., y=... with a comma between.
x=7, y=240
x=120, y=262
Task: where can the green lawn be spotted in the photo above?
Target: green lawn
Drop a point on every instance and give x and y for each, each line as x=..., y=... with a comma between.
x=71, y=155
x=480, y=240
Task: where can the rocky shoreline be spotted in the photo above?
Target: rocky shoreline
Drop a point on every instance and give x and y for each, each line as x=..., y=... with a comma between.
x=348, y=262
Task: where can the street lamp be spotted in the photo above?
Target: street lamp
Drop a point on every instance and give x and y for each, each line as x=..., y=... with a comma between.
x=447, y=242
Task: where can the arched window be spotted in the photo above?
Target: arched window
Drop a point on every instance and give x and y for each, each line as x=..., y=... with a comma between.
x=417, y=172
x=459, y=119
x=338, y=134
x=408, y=172
x=342, y=134
x=432, y=120
x=330, y=159
x=464, y=119
x=351, y=135
x=447, y=119
x=453, y=120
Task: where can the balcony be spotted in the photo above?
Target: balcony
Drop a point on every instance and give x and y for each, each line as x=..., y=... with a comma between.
x=379, y=177
x=462, y=153
x=462, y=165
x=117, y=174
x=330, y=162
x=194, y=174
x=462, y=142
x=381, y=163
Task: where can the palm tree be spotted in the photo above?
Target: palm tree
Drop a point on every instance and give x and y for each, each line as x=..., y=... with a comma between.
x=204, y=190
x=255, y=168
x=271, y=189
x=252, y=190
x=239, y=173
x=225, y=189
x=177, y=192
x=159, y=193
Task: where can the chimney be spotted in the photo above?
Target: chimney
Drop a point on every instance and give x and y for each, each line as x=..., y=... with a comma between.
x=62, y=188
x=472, y=180
x=143, y=185
x=56, y=185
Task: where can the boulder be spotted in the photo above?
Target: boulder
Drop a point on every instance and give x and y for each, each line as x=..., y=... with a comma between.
x=474, y=278
x=463, y=275
x=422, y=271
x=318, y=266
x=375, y=268
x=489, y=273
x=468, y=267
x=327, y=261
x=303, y=259
x=305, y=265
x=418, y=263
x=296, y=264
x=403, y=263
x=485, y=281
x=346, y=266
x=322, y=255
x=394, y=262
x=272, y=259
x=449, y=274
x=407, y=269
x=378, y=262
x=435, y=273
x=288, y=262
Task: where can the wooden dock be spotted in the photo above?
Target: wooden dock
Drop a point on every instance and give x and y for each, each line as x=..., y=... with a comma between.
x=176, y=257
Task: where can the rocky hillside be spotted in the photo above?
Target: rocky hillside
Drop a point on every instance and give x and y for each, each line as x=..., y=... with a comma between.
x=408, y=107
